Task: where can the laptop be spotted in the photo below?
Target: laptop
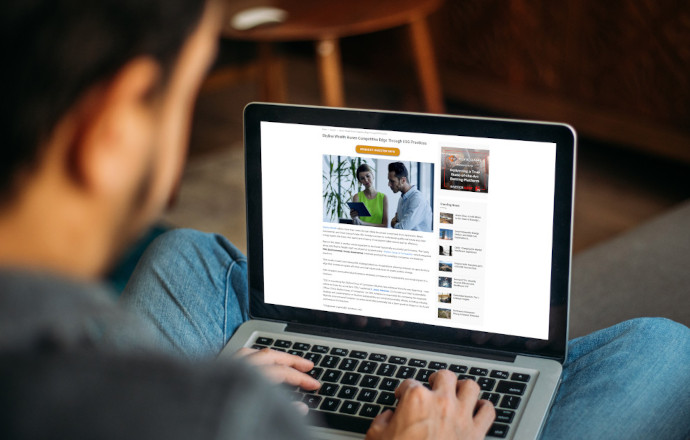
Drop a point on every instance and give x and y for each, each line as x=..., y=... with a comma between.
x=465, y=266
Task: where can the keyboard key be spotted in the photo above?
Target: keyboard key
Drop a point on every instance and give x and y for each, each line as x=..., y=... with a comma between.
x=315, y=373
x=386, y=398
x=282, y=343
x=330, y=404
x=423, y=375
x=350, y=407
x=506, y=387
x=504, y=415
x=358, y=354
x=339, y=351
x=479, y=371
x=331, y=376
x=491, y=397
x=258, y=347
x=263, y=341
x=510, y=402
x=486, y=384
x=314, y=357
x=328, y=389
x=296, y=352
x=370, y=410
x=367, y=367
x=370, y=381
x=389, y=384
x=367, y=395
x=406, y=372
x=312, y=400
x=499, y=374
x=330, y=361
x=386, y=370
x=466, y=377
x=378, y=357
x=320, y=349
x=397, y=360
x=279, y=349
x=458, y=368
x=498, y=430
x=348, y=364
x=419, y=363
x=521, y=377
x=301, y=346
x=347, y=393
x=438, y=365
x=350, y=378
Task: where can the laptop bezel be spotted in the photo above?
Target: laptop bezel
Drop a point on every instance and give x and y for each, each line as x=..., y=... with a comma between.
x=561, y=134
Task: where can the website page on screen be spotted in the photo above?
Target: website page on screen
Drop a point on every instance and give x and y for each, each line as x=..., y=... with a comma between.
x=443, y=230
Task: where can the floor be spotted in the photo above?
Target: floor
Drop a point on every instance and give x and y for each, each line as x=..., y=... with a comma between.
x=616, y=189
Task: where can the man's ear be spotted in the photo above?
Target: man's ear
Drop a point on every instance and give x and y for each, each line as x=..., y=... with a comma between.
x=115, y=124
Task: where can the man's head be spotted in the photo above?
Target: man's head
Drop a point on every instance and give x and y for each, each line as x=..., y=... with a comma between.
x=99, y=107
x=398, y=178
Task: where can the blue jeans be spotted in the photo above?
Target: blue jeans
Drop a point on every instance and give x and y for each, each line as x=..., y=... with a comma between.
x=630, y=381
x=192, y=287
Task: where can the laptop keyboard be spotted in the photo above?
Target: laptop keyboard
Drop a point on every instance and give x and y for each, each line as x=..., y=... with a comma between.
x=359, y=385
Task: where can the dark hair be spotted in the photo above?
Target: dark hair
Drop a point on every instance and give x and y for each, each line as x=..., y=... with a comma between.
x=362, y=168
x=56, y=50
x=399, y=169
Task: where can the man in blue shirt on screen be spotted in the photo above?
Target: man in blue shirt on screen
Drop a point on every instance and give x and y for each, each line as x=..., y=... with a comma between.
x=414, y=210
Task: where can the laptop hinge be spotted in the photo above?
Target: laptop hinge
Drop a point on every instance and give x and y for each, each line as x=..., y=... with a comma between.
x=400, y=342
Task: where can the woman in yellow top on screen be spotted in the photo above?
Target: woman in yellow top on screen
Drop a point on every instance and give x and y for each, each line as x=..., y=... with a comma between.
x=376, y=202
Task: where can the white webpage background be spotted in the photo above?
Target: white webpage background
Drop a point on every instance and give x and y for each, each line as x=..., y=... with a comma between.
x=519, y=219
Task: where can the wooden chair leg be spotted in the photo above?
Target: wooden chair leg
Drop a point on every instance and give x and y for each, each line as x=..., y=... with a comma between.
x=272, y=75
x=330, y=72
x=427, y=70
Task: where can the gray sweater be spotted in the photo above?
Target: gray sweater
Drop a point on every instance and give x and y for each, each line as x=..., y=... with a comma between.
x=75, y=365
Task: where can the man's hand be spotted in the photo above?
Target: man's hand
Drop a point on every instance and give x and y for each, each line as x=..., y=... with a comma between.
x=394, y=221
x=449, y=411
x=281, y=367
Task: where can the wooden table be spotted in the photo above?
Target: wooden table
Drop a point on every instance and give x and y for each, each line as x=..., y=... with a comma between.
x=327, y=21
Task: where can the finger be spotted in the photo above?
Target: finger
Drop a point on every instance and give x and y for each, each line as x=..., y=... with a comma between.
x=443, y=381
x=379, y=424
x=245, y=351
x=290, y=376
x=485, y=415
x=468, y=393
x=404, y=387
x=267, y=356
x=301, y=408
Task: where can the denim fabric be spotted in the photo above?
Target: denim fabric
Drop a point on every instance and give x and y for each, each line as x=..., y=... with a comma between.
x=629, y=381
x=192, y=287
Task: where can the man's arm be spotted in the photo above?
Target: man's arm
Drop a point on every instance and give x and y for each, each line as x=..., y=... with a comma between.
x=413, y=214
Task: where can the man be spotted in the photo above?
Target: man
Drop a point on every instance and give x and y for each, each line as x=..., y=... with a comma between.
x=100, y=95
x=414, y=211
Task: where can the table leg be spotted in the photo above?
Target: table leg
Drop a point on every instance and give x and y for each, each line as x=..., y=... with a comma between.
x=330, y=72
x=426, y=65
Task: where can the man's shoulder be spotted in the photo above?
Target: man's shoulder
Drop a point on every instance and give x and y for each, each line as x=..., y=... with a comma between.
x=38, y=306
x=82, y=393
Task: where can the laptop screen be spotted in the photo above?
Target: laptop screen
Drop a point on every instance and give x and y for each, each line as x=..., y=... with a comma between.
x=413, y=225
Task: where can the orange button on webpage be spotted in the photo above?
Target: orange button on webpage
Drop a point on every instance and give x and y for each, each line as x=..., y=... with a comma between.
x=381, y=151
